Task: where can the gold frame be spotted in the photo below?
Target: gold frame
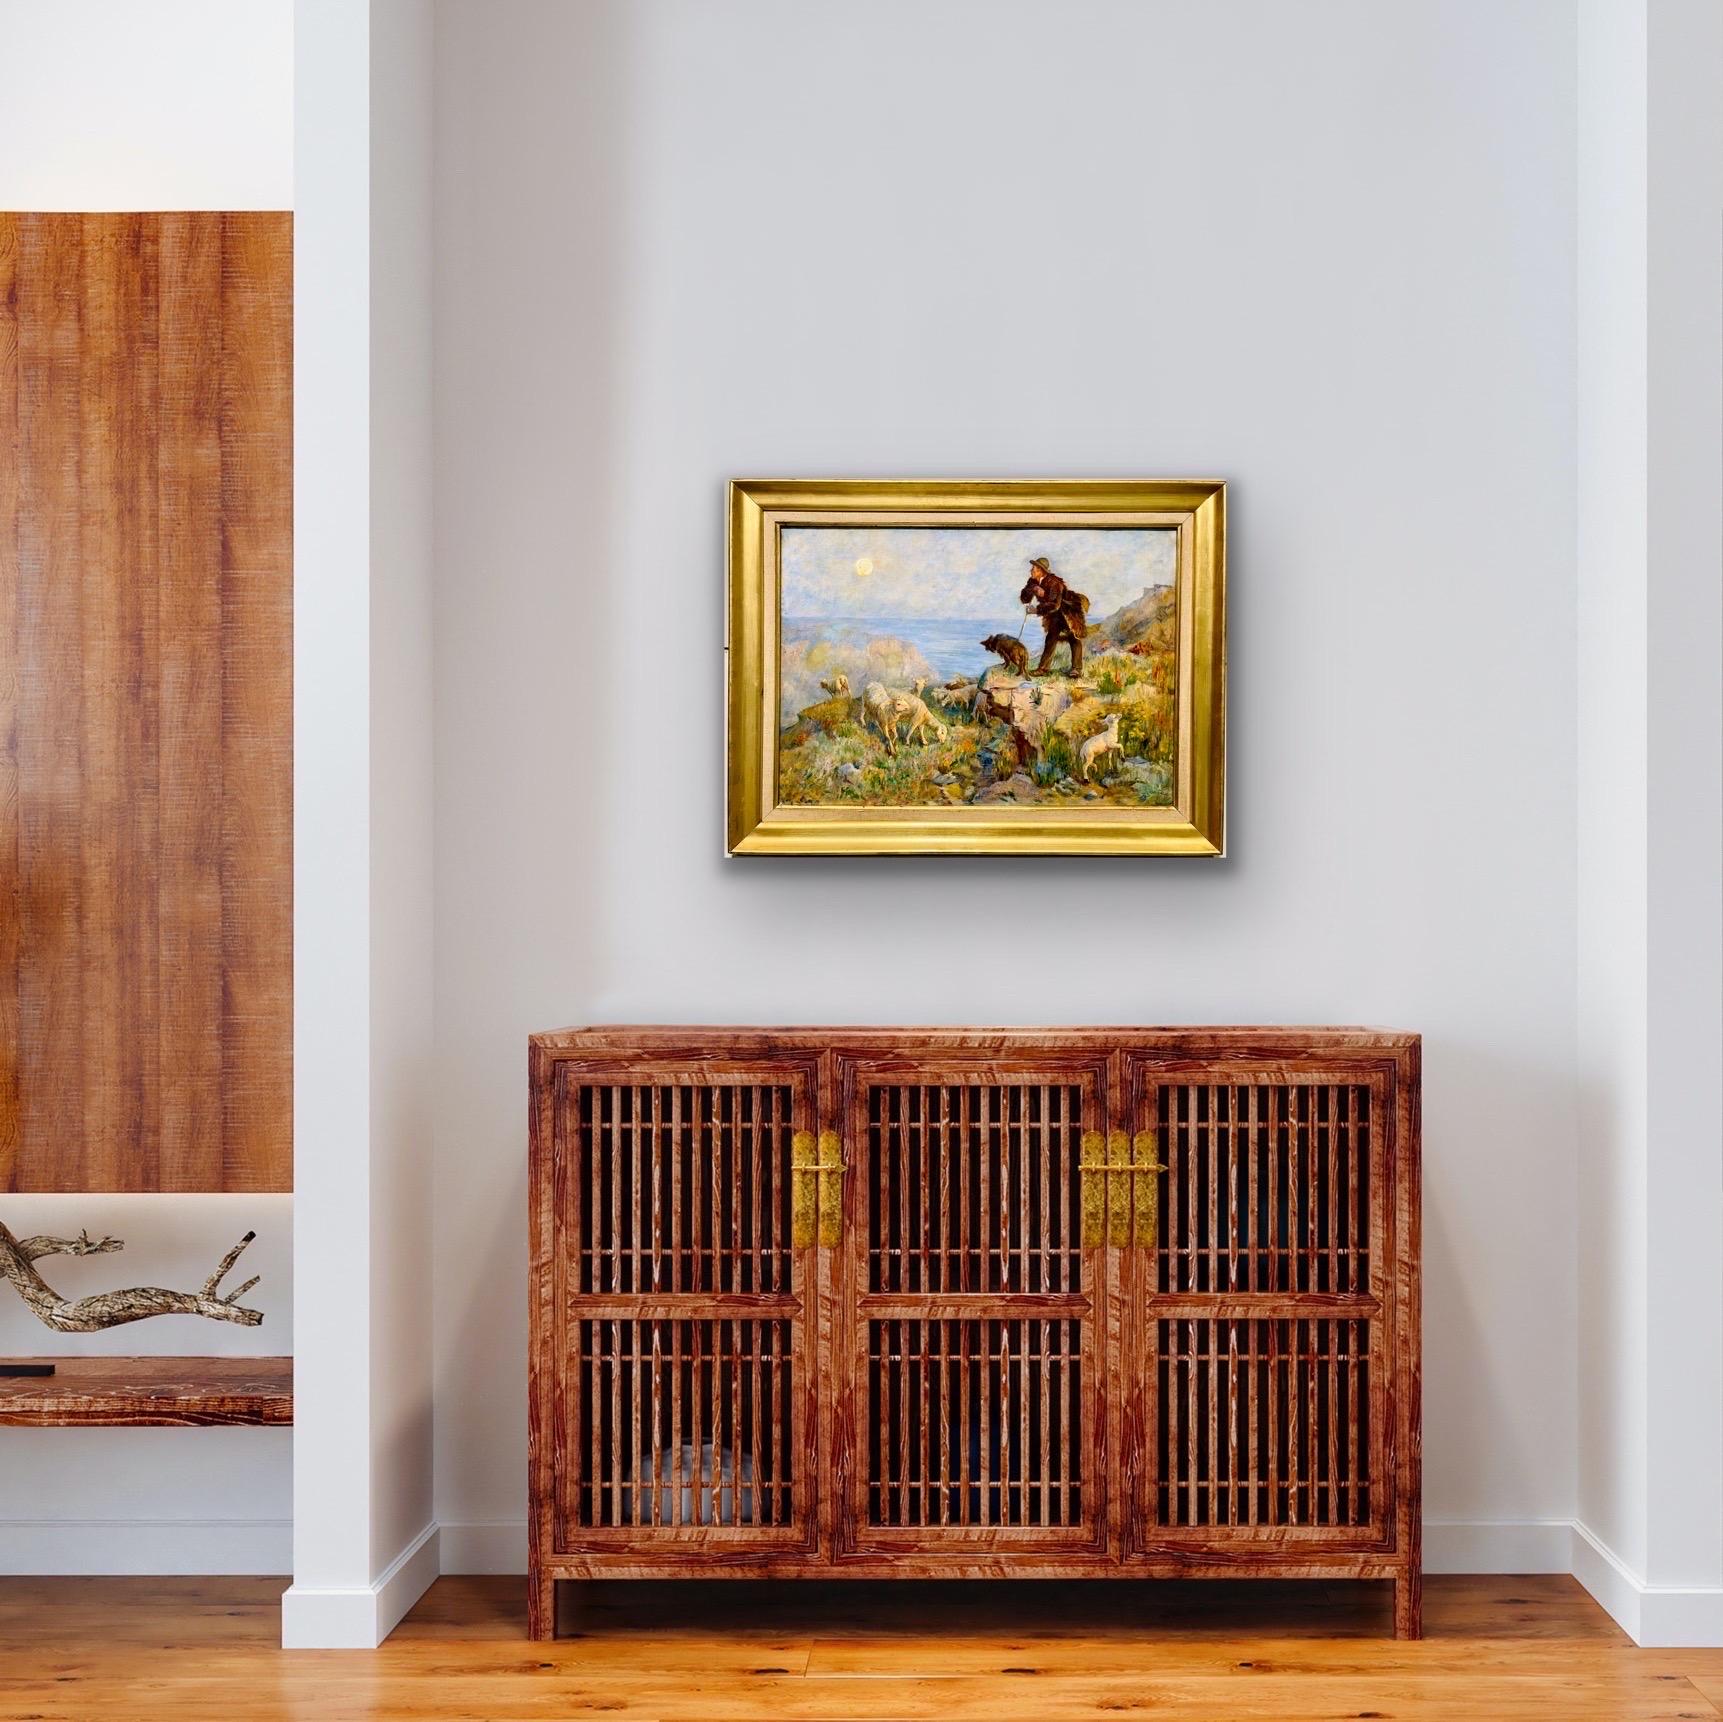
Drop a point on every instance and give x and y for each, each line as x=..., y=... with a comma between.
x=756, y=825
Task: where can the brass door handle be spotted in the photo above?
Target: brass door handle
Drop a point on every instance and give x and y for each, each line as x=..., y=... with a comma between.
x=816, y=1189
x=1146, y=1197
x=1121, y=1190
x=1092, y=1161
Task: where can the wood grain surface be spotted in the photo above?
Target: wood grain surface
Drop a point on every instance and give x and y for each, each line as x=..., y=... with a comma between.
x=207, y=1650
x=1096, y=1303
x=146, y=702
x=164, y=1392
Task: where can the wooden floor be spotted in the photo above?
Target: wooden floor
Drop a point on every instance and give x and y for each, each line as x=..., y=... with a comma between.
x=203, y=1650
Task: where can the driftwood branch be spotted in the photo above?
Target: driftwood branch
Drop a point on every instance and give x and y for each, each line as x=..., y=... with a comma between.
x=18, y=1257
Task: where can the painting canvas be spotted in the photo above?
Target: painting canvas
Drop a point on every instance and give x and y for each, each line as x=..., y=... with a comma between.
x=1002, y=667
x=977, y=666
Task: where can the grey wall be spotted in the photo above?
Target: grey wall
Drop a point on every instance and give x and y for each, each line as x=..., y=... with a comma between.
x=1323, y=251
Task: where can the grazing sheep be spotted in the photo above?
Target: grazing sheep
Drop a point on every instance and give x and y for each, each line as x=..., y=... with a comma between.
x=836, y=685
x=1014, y=652
x=955, y=695
x=1098, y=746
x=878, y=705
x=918, y=686
x=912, y=709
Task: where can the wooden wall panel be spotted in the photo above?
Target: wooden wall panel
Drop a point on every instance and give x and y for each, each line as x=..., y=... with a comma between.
x=146, y=701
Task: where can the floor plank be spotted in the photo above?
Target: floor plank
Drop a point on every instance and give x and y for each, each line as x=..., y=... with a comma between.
x=204, y=1650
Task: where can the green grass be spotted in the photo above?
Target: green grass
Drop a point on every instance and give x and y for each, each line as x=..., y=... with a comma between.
x=975, y=754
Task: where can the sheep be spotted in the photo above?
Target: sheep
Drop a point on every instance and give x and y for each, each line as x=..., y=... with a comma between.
x=911, y=709
x=955, y=696
x=1099, y=745
x=837, y=685
x=879, y=705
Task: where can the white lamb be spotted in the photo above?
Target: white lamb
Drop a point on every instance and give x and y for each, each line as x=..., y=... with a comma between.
x=912, y=709
x=1098, y=746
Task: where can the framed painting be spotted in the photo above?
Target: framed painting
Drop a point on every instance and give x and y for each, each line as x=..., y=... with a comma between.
x=972, y=668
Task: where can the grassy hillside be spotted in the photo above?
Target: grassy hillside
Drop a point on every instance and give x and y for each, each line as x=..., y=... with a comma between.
x=829, y=755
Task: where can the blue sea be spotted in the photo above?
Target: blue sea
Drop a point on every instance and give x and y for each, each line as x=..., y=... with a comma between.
x=951, y=644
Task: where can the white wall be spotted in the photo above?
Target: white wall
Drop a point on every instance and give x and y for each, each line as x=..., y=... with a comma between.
x=181, y=104
x=1324, y=251
x=175, y=104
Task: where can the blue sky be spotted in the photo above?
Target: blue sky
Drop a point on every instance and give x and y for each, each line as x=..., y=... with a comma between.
x=963, y=571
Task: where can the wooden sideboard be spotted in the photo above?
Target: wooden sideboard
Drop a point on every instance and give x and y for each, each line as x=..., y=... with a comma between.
x=972, y=1303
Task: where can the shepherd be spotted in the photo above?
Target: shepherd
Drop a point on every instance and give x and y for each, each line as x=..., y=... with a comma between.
x=1062, y=614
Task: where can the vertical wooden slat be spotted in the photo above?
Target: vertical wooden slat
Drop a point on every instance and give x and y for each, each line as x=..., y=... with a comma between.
x=964, y=1217
x=673, y=1135
x=1169, y=1333
x=1253, y=1332
x=947, y=1278
x=1026, y=1150
x=945, y=1421
x=965, y=1468
x=1313, y=1428
x=189, y=656
x=651, y=1098
x=50, y=711
x=1212, y=1178
x=927, y=1433
x=898, y=1333
x=1193, y=1188
x=1276, y=1514
x=1293, y=1432
x=118, y=849
x=1354, y=1155
x=1331, y=1367
x=1253, y=1276
x=1192, y=1430
x=1229, y=1163
x=1231, y=1422
x=257, y=693
x=1050, y=1138
x=1062, y=1383
x=657, y=1365
x=726, y=1106
x=755, y=1255
x=1274, y=1168
x=11, y=643
x=1333, y=1216
x=900, y=1152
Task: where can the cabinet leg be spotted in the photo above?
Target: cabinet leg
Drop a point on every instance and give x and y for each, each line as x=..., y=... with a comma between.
x=1409, y=1605
x=541, y=1607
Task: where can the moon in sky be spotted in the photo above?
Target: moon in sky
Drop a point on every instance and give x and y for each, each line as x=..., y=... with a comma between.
x=864, y=567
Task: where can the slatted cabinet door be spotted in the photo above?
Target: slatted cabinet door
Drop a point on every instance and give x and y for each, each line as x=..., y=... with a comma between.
x=682, y=1310
x=1259, y=1312
x=971, y=1315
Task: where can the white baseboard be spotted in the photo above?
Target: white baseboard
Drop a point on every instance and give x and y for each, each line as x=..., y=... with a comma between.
x=1659, y=1617
x=145, y=1548
x=360, y=1617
